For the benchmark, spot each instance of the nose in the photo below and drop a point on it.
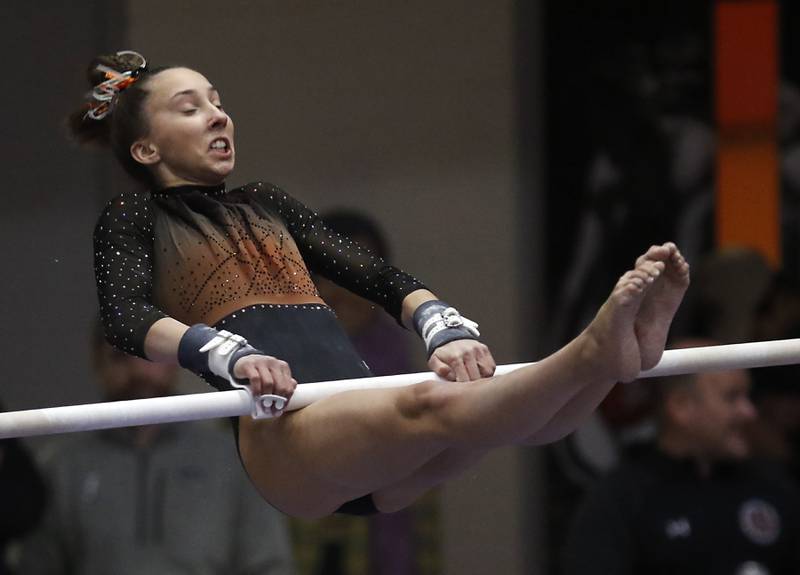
(747, 410)
(219, 119)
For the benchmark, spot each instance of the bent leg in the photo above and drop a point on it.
(309, 462)
(387, 441)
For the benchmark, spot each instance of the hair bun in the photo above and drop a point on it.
(108, 75)
(119, 62)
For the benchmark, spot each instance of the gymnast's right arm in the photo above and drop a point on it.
(123, 256)
(123, 267)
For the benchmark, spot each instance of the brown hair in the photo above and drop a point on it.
(126, 122)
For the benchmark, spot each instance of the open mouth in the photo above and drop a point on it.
(220, 145)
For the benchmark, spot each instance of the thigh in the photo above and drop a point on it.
(309, 462)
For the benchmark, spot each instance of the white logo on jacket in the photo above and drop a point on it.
(759, 521)
(680, 527)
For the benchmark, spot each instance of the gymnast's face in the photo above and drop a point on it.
(190, 137)
(720, 411)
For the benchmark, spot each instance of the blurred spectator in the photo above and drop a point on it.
(789, 141)
(155, 499)
(776, 390)
(22, 495)
(339, 544)
(649, 177)
(695, 501)
(383, 344)
(778, 314)
(776, 434)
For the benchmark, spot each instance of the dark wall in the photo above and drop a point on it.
(51, 200)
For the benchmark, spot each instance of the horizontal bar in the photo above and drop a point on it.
(238, 402)
(726, 357)
(129, 413)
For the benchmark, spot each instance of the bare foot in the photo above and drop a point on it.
(612, 343)
(660, 302)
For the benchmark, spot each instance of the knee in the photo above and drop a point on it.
(419, 400)
(431, 402)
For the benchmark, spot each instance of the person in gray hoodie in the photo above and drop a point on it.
(164, 499)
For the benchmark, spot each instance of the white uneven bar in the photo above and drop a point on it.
(88, 417)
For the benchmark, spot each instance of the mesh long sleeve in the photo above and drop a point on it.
(123, 263)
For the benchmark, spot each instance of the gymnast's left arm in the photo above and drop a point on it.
(454, 351)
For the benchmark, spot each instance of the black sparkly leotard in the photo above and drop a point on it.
(238, 260)
(204, 254)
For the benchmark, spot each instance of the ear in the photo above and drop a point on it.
(145, 152)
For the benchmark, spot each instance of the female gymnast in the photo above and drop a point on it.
(189, 254)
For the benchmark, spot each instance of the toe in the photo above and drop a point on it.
(653, 269)
(654, 253)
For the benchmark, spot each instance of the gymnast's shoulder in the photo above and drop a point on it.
(127, 206)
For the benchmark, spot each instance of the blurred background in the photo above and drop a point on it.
(517, 155)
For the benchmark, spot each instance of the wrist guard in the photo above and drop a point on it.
(438, 324)
(204, 350)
